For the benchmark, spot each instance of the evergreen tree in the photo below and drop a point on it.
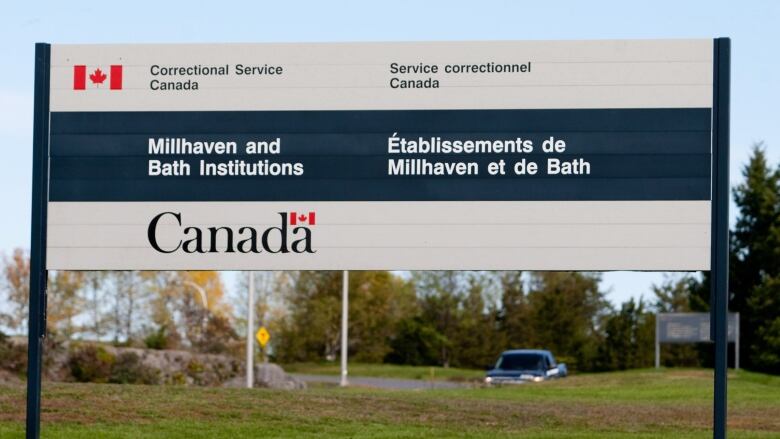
(415, 342)
(629, 335)
(673, 294)
(440, 294)
(478, 340)
(755, 262)
(764, 307)
(514, 314)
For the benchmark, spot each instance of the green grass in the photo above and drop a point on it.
(636, 404)
(388, 371)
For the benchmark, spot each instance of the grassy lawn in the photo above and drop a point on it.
(388, 371)
(636, 404)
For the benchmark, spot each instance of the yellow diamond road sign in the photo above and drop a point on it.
(262, 336)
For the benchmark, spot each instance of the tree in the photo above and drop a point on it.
(64, 302)
(175, 309)
(378, 301)
(440, 294)
(311, 330)
(457, 321)
(94, 301)
(764, 306)
(755, 261)
(220, 337)
(194, 314)
(415, 342)
(629, 337)
(164, 288)
(756, 235)
(514, 314)
(673, 294)
(126, 296)
(478, 338)
(16, 286)
(566, 309)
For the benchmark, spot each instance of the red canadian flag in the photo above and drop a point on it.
(302, 218)
(97, 77)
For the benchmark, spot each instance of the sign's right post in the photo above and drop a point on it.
(719, 264)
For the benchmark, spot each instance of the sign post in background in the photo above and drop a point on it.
(691, 328)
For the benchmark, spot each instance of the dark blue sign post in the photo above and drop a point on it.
(719, 265)
(38, 273)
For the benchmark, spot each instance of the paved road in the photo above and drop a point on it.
(383, 383)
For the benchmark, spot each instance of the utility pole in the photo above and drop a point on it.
(344, 325)
(250, 336)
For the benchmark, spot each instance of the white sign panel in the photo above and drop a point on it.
(586, 155)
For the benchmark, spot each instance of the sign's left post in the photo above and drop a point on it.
(38, 274)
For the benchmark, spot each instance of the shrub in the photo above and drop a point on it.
(158, 339)
(13, 357)
(195, 367)
(178, 378)
(129, 369)
(220, 337)
(196, 370)
(416, 343)
(90, 364)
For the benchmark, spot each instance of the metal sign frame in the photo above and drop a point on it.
(719, 235)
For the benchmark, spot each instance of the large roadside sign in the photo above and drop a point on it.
(587, 155)
(532, 155)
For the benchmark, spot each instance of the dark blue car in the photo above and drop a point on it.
(523, 365)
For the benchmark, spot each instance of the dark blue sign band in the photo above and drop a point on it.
(633, 154)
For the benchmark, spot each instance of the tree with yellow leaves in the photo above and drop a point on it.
(16, 287)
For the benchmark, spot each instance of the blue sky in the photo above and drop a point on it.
(753, 26)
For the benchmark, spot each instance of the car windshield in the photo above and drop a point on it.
(526, 361)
